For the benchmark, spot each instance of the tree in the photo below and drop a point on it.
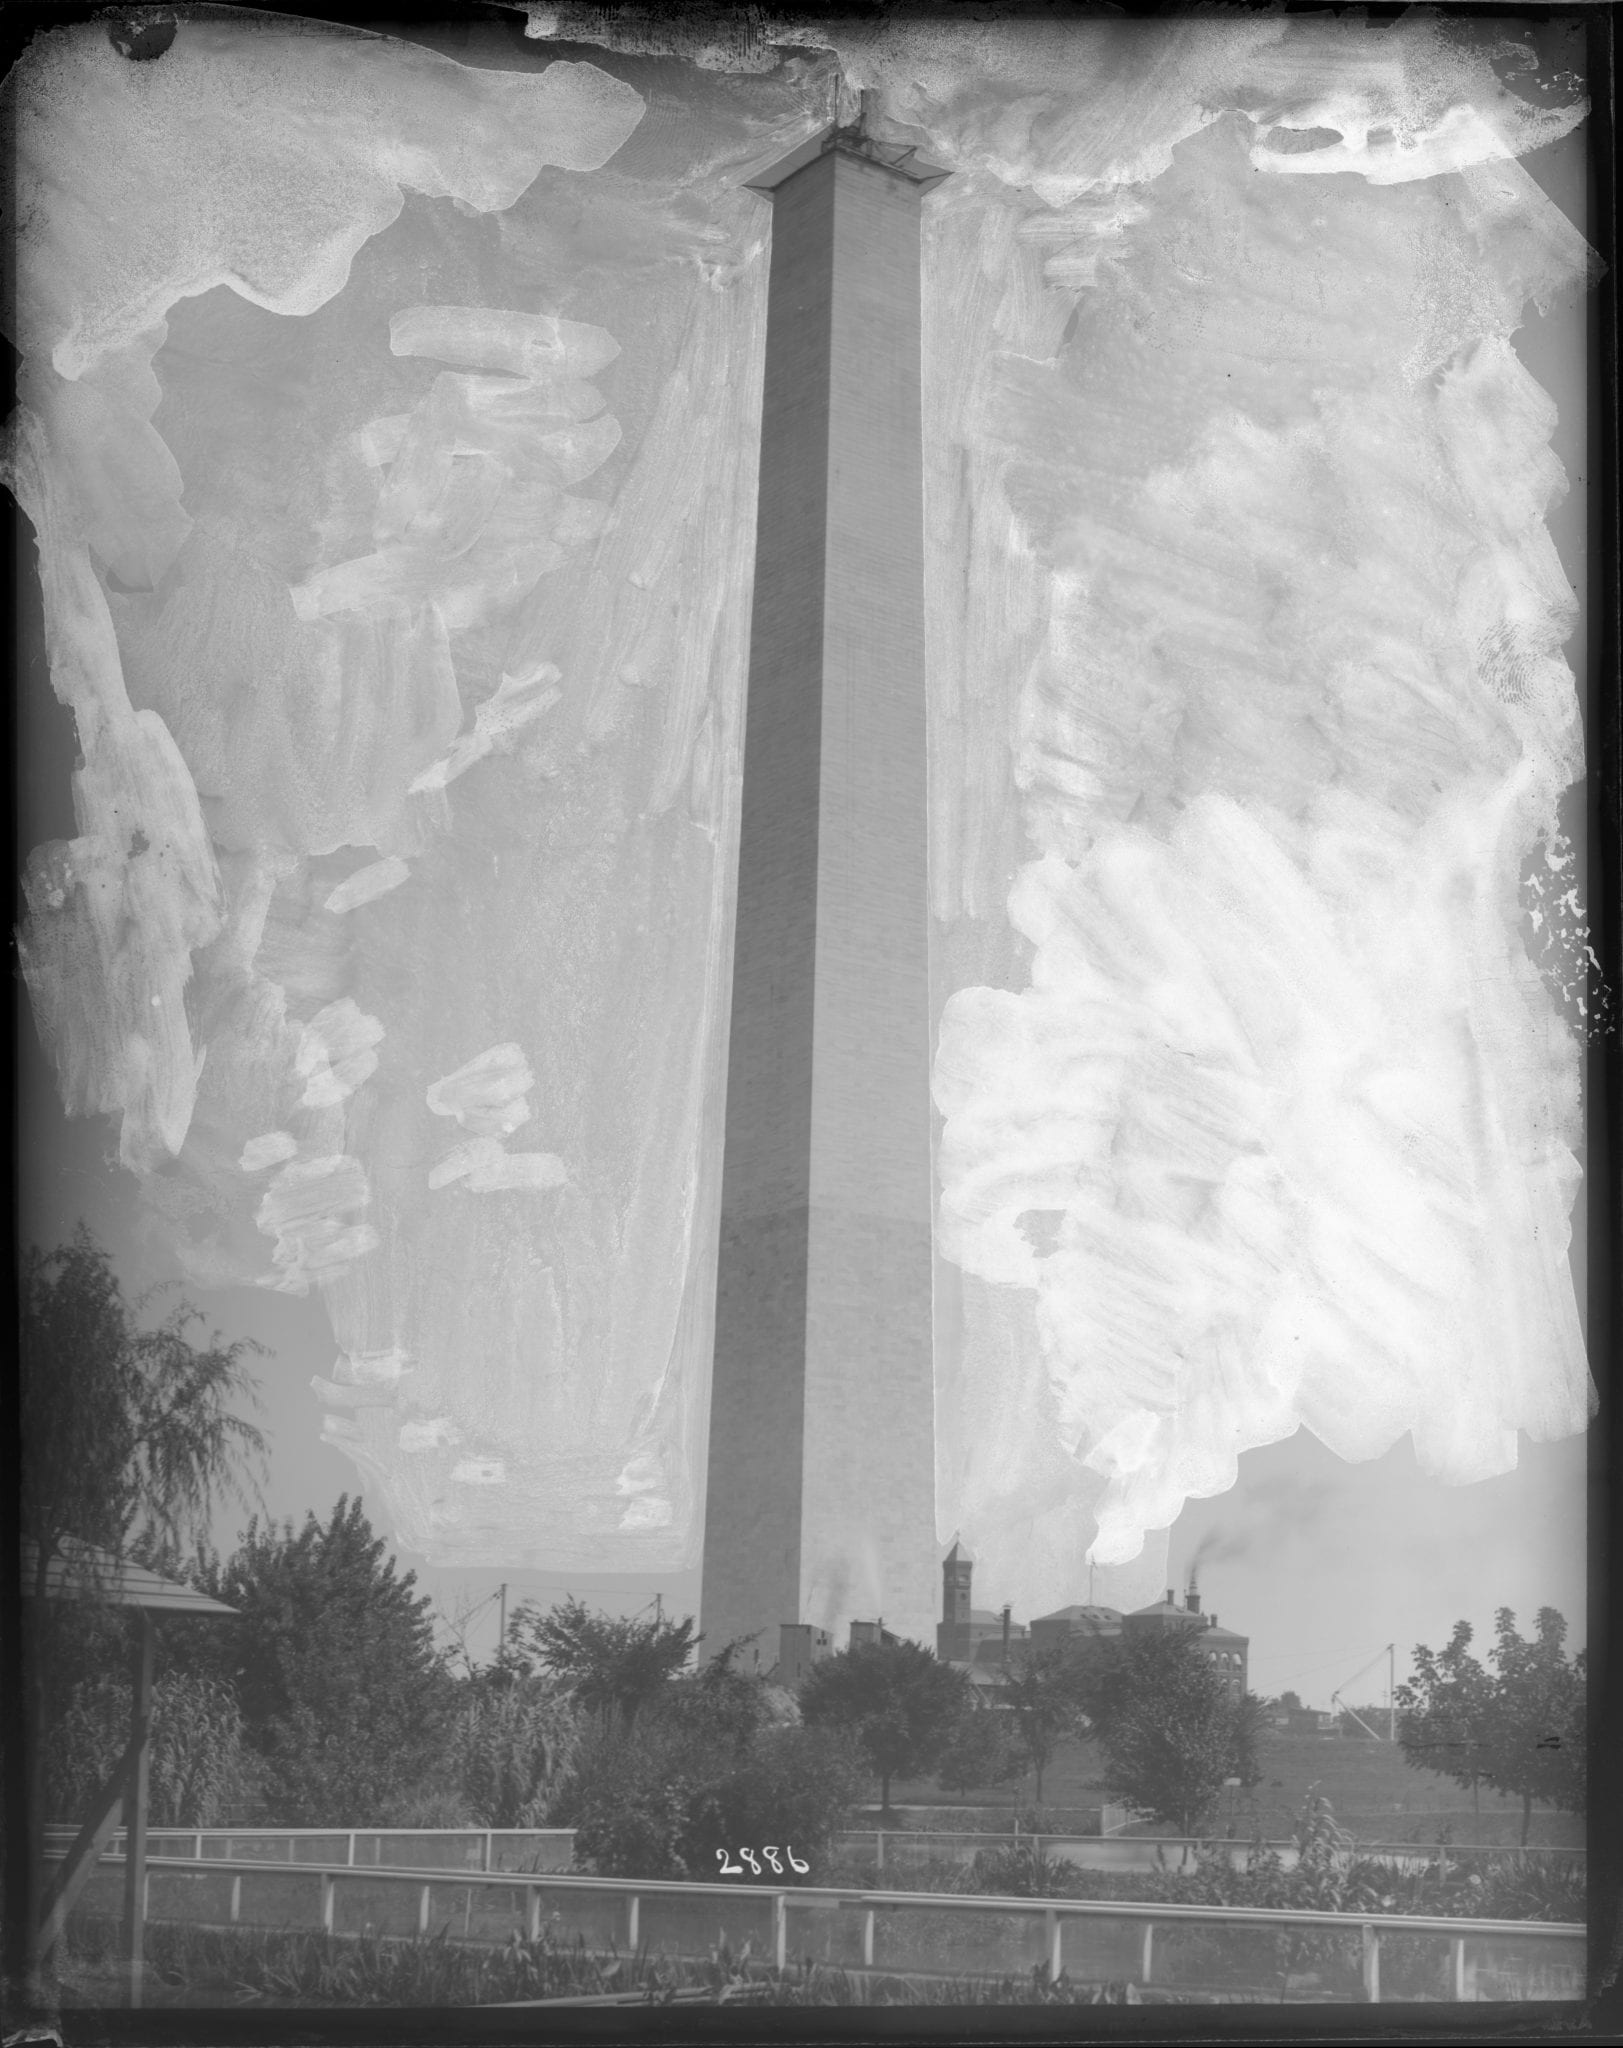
(895, 1698)
(126, 1431)
(981, 1750)
(334, 1664)
(1540, 1727)
(128, 1436)
(1521, 1728)
(1443, 1711)
(1042, 1694)
(1170, 1729)
(613, 1667)
(721, 1700)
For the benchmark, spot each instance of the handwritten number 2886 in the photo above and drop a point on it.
(769, 1851)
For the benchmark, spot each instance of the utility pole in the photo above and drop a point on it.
(501, 1637)
(1391, 1692)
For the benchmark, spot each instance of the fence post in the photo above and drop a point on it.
(352, 1848)
(1372, 1963)
(236, 1898)
(532, 1901)
(1055, 1928)
(780, 1929)
(1457, 1958)
(867, 1939)
(200, 1845)
(485, 1866)
(879, 1838)
(1146, 1959)
(422, 1910)
(327, 1890)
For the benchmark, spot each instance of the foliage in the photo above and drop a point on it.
(509, 1742)
(286, 1964)
(979, 1751)
(1521, 1727)
(1023, 1871)
(1044, 1697)
(899, 1703)
(125, 1430)
(794, 1787)
(1170, 1730)
(660, 1799)
(333, 1661)
(1333, 1875)
(1443, 1709)
(613, 1666)
(203, 1773)
(275, 1966)
(720, 1699)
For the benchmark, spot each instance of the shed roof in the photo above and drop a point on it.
(85, 1572)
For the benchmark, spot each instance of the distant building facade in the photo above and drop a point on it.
(1225, 1651)
(979, 1640)
(800, 1646)
(870, 1633)
(1068, 1625)
(967, 1635)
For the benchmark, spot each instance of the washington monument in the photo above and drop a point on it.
(821, 1498)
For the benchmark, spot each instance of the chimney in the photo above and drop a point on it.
(1191, 1600)
(1172, 1598)
(1007, 1614)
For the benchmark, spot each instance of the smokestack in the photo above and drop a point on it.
(1192, 1599)
(1007, 1615)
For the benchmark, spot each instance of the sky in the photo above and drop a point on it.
(443, 891)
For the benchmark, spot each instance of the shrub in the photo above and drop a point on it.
(509, 1745)
(794, 1787)
(661, 1799)
(1022, 1873)
(203, 1773)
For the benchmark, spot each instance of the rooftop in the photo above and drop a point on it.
(85, 1573)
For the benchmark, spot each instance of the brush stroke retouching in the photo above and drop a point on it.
(388, 430)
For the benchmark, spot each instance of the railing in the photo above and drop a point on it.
(483, 1849)
(1175, 1949)
(546, 1849)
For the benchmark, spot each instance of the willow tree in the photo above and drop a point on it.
(129, 1434)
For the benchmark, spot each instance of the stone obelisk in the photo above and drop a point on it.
(821, 1495)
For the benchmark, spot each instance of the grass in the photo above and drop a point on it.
(1475, 1887)
(1376, 1795)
